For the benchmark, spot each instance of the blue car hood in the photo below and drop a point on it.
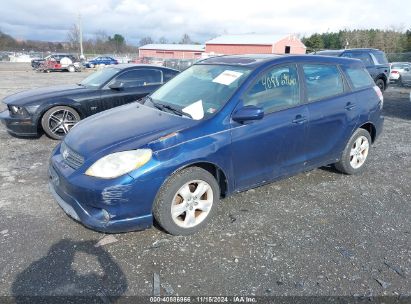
(30, 96)
(127, 127)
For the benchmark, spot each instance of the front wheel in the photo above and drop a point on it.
(355, 153)
(71, 69)
(186, 202)
(58, 121)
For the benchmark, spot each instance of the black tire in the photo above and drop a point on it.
(169, 190)
(399, 82)
(47, 121)
(344, 165)
(381, 84)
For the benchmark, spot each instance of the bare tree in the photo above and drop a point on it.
(185, 39)
(162, 40)
(73, 37)
(146, 40)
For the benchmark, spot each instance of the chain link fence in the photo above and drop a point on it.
(399, 57)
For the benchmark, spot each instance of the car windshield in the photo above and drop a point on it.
(201, 90)
(99, 78)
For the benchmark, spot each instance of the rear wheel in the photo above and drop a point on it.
(381, 84)
(187, 201)
(355, 153)
(58, 121)
(399, 82)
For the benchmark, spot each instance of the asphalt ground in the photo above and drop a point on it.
(319, 233)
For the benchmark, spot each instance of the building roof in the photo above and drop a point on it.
(174, 47)
(248, 39)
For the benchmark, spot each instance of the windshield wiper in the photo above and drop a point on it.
(172, 109)
(163, 107)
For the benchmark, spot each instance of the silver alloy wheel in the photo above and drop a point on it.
(71, 69)
(359, 152)
(61, 121)
(192, 203)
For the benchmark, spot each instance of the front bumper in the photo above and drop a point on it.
(107, 205)
(19, 126)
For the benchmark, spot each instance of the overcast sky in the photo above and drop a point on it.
(202, 20)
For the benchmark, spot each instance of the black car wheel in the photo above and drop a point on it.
(355, 153)
(399, 82)
(187, 201)
(58, 121)
(381, 84)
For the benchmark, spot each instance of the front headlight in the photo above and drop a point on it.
(16, 110)
(120, 163)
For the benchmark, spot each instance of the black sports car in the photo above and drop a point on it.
(55, 110)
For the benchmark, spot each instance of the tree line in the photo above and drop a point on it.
(98, 43)
(389, 40)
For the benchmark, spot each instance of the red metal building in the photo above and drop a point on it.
(171, 51)
(254, 44)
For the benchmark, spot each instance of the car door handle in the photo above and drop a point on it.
(349, 106)
(299, 119)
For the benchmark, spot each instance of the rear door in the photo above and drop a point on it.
(137, 83)
(333, 112)
(273, 146)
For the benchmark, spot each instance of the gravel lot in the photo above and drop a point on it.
(317, 233)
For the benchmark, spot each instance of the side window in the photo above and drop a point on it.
(140, 77)
(168, 74)
(359, 77)
(277, 89)
(364, 57)
(322, 81)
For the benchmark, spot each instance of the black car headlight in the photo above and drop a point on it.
(16, 110)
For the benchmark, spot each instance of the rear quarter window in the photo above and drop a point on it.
(381, 58)
(359, 77)
(168, 74)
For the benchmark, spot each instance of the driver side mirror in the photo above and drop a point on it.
(248, 113)
(117, 85)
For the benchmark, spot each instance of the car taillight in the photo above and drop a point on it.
(380, 96)
(394, 72)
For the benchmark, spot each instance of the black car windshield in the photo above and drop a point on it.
(201, 90)
(99, 78)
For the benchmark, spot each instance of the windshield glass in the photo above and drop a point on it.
(99, 78)
(201, 90)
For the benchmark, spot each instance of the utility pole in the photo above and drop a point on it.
(80, 36)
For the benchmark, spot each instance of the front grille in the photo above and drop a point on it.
(72, 159)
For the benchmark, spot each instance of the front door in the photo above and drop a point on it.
(273, 146)
(136, 84)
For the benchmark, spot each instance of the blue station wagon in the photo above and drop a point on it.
(224, 125)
